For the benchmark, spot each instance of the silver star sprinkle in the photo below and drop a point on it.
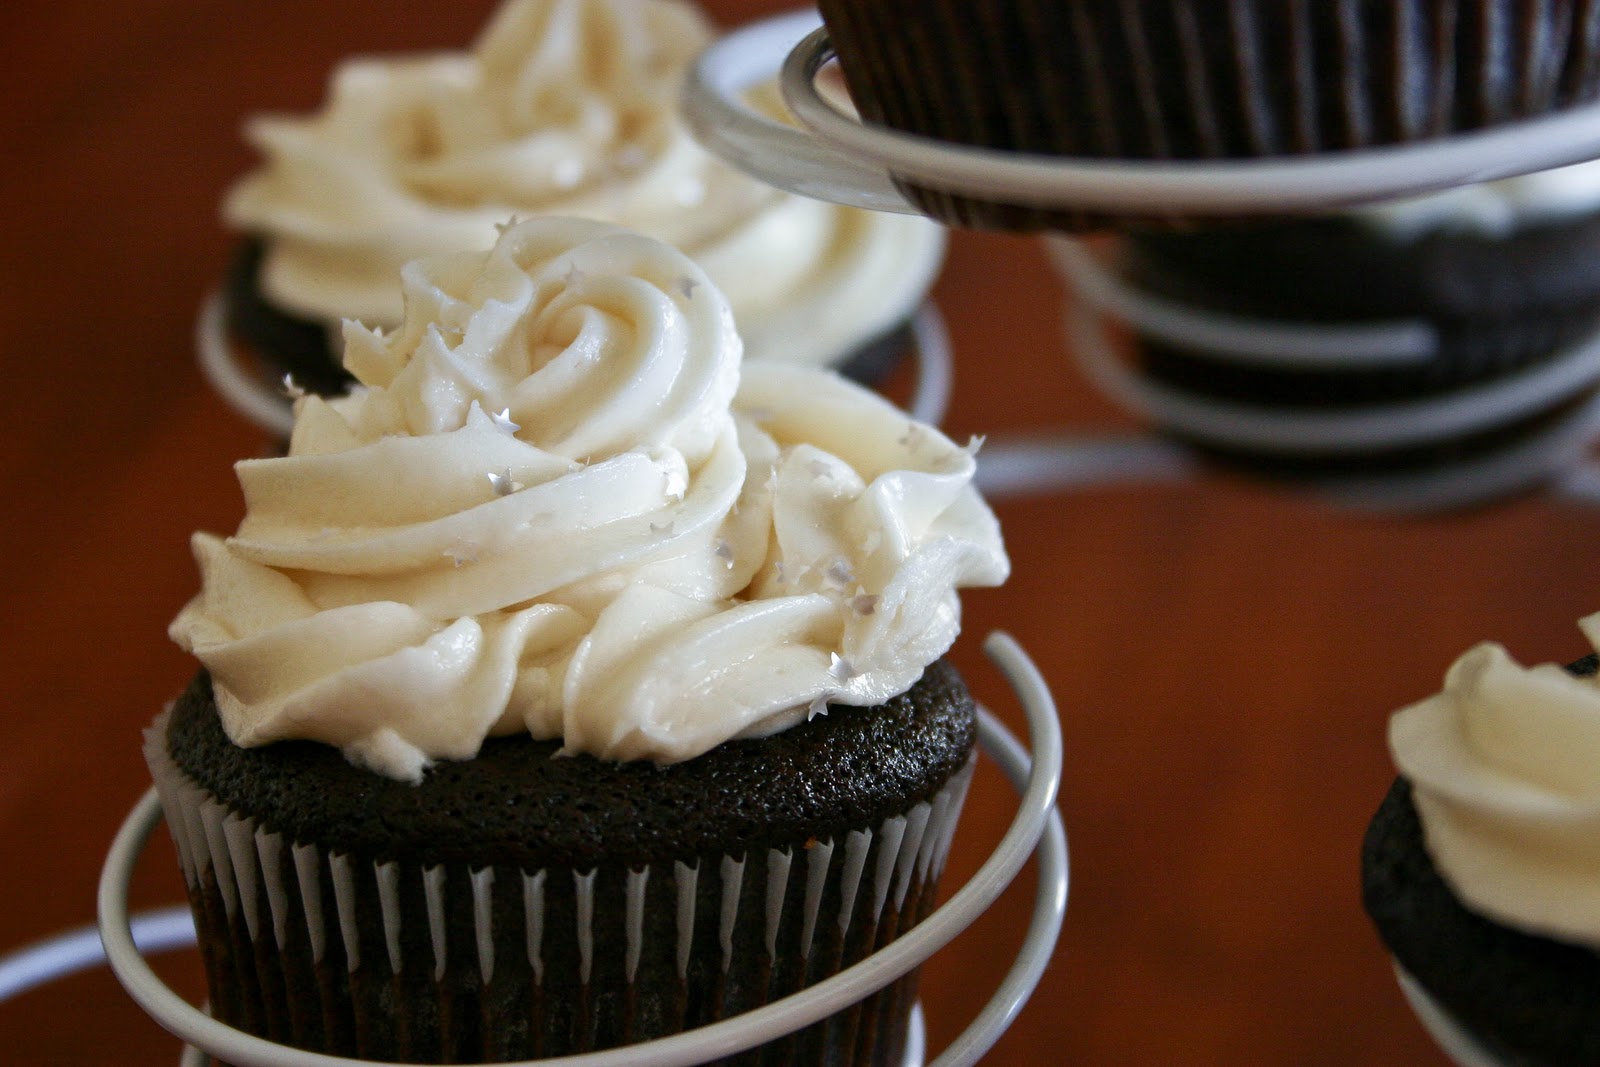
(291, 388)
(501, 227)
(687, 286)
(788, 572)
(974, 443)
(462, 551)
(840, 669)
(839, 573)
(818, 706)
(865, 604)
(502, 483)
(677, 484)
(503, 421)
(662, 527)
(913, 436)
(724, 552)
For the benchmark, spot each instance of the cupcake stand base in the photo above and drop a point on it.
(840, 159)
(1037, 829)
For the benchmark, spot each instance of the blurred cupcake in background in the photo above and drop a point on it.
(563, 107)
(1452, 331)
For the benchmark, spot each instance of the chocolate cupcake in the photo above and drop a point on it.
(558, 520)
(518, 905)
(1405, 339)
(1479, 868)
(560, 109)
(1200, 79)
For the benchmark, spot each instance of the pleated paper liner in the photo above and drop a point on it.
(449, 963)
(1201, 79)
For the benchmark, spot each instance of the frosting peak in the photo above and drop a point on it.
(1505, 767)
(552, 505)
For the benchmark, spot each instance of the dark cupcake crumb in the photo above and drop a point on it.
(519, 804)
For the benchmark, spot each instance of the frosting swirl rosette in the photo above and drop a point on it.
(552, 506)
(565, 107)
(1505, 768)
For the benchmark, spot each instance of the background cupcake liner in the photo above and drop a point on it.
(1202, 78)
(448, 963)
(1224, 351)
(1448, 448)
(1491, 304)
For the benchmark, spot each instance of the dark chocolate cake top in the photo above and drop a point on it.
(519, 803)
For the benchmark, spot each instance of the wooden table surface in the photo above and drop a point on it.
(1225, 654)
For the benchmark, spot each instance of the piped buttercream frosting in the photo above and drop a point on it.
(564, 107)
(1505, 769)
(554, 505)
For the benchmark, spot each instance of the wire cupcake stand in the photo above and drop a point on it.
(838, 158)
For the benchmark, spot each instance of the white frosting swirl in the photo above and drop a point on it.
(565, 107)
(545, 510)
(1493, 209)
(1505, 765)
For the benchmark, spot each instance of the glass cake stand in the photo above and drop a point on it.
(838, 158)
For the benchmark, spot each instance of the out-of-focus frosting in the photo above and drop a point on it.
(1505, 765)
(1494, 209)
(565, 107)
(546, 509)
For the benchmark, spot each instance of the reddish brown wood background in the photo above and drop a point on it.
(1225, 655)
